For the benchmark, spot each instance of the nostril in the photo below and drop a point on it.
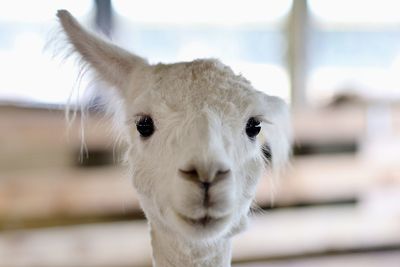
(191, 174)
(222, 175)
(227, 171)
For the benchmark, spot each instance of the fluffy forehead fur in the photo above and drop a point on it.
(198, 82)
(197, 85)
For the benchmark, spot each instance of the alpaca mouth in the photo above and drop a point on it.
(205, 221)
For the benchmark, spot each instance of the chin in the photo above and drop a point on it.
(205, 228)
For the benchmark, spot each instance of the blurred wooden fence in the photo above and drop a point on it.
(55, 213)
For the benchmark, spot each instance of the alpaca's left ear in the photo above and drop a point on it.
(277, 131)
(112, 64)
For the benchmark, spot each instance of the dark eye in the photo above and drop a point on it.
(253, 127)
(145, 126)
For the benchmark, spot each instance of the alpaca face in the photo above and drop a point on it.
(195, 149)
(194, 132)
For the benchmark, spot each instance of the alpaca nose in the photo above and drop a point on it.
(205, 175)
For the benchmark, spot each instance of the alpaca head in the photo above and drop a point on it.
(194, 131)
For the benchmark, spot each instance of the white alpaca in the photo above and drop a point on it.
(194, 132)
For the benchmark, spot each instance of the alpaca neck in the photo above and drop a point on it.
(169, 250)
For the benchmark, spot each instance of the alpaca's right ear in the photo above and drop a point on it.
(113, 64)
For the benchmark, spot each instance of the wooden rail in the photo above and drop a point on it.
(279, 234)
(76, 195)
(40, 186)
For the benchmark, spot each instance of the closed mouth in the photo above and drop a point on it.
(202, 222)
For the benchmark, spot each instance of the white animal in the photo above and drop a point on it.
(195, 132)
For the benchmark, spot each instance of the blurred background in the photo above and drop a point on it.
(337, 63)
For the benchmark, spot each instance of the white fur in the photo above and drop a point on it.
(200, 110)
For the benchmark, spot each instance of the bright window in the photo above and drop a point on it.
(247, 35)
(28, 73)
(354, 49)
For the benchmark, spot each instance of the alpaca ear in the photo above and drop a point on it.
(278, 131)
(113, 64)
